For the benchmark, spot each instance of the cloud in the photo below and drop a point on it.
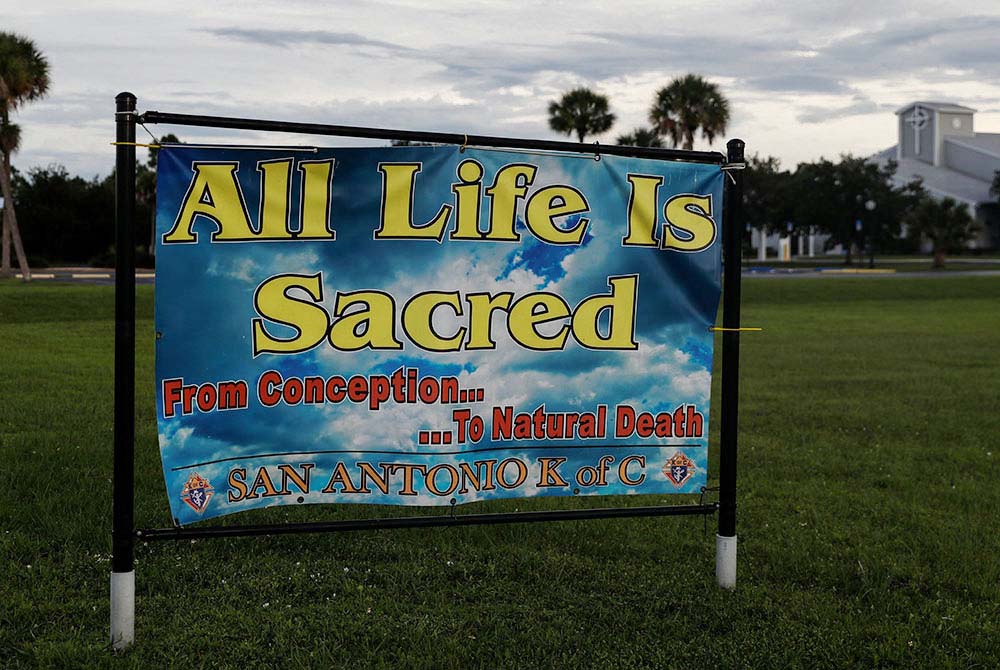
(798, 83)
(860, 105)
(292, 38)
(787, 69)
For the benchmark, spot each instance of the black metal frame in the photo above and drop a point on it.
(124, 532)
(122, 553)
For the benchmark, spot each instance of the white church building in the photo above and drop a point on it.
(937, 142)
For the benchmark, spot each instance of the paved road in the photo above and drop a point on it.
(802, 273)
(104, 276)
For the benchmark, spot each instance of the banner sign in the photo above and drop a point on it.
(430, 326)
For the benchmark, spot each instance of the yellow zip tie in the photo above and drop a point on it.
(137, 144)
(716, 329)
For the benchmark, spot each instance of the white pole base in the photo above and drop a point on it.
(725, 561)
(122, 609)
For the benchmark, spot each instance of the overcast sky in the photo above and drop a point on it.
(804, 80)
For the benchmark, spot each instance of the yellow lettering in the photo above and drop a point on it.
(275, 189)
(642, 210)
(418, 315)
(481, 308)
(510, 184)
(620, 306)
(372, 327)
(468, 194)
(314, 207)
(273, 302)
(398, 182)
(535, 309)
(554, 201)
(215, 194)
(689, 224)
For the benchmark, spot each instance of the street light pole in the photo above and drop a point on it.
(870, 206)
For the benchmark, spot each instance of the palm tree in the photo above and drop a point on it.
(581, 111)
(641, 137)
(24, 76)
(687, 104)
(946, 223)
(10, 141)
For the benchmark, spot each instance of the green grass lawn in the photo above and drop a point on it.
(869, 518)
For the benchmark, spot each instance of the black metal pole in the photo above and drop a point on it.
(424, 136)
(732, 249)
(123, 485)
(124, 431)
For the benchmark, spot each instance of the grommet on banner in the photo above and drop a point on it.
(597, 153)
(465, 143)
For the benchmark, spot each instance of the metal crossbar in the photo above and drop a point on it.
(435, 521)
(460, 139)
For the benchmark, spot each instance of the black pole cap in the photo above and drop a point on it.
(734, 148)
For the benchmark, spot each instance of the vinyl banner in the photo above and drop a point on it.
(430, 326)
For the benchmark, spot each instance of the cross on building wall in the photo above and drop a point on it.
(918, 121)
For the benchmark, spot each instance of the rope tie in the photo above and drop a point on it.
(729, 167)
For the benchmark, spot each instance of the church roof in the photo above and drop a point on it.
(987, 143)
(936, 106)
(939, 181)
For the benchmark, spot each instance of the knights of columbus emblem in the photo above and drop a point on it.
(679, 469)
(197, 492)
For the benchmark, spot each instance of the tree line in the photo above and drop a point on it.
(69, 219)
(857, 203)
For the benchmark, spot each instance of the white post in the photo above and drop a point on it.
(762, 246)
(802, 243)
(122, 609)
(725, 561)
(784, 248)
(812, 245)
